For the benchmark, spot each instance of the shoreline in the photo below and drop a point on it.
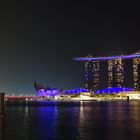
(62, 103)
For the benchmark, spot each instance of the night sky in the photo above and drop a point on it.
(38, 40)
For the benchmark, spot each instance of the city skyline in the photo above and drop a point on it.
(39, 39)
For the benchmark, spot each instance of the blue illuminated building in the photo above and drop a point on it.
(55, 91)
(75, 91)
(114, 90)
(48, 91)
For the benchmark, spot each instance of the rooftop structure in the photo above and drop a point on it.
(90, 58)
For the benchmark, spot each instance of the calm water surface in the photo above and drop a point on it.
(87, 121)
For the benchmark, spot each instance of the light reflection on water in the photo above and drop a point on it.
(87, 121)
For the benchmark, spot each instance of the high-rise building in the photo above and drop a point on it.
(136, 63)
(119, 72)
(115, 71)
(110, 73)
(89, 75)
(96, 75)
(92, 75)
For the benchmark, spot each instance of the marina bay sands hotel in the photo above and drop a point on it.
(115, 70)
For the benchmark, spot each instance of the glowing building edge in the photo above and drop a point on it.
(107, 58)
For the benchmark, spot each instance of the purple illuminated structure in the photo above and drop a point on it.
(49, 92)
(45, 91)
(115, 70)
(137, 55)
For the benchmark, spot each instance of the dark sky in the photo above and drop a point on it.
(38, 40)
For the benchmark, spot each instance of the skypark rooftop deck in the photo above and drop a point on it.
(137, 55)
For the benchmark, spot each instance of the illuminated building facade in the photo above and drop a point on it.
(88, 74)
(113, 90)
(136, 62)
(92, 75)
(110, 73)
(115, 71)
(119, 76)
(96, 72)
(115, 74)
